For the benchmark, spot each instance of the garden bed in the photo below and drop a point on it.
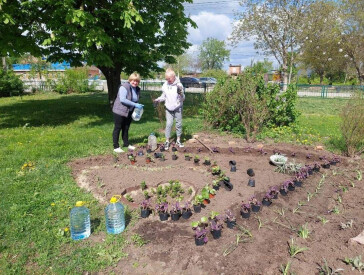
(327, 200)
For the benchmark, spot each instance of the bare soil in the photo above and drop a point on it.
(171, 248)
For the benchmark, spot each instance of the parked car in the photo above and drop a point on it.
(190, 82)
(208, 80)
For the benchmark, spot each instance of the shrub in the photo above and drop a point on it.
(74, 80)
(352, 125)
(245, 104)
(10, 84)
(218, 74)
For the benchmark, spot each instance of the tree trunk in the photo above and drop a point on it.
(4, 63)
(321, 79)
(112, 76)
(360, 75)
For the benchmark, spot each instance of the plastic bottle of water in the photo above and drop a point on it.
(114, 215)
(137, 114)
(80, 222)
(152, 142)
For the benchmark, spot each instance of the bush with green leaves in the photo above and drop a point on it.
(10, 84)
(243, 105)
(74, 80)
(352, 125)
(218, 74)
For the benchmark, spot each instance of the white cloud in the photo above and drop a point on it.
(209, 25)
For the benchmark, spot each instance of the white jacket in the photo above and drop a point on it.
(172, 99)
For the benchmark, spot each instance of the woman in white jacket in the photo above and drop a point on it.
(173, 96)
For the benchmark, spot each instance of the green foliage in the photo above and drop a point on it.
(212, 54)
(10, 84)
(74, 80)
(243, 105)
(352, 126)
(261, 67)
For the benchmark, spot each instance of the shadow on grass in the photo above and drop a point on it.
(67, 109)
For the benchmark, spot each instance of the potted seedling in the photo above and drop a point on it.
(215, 224)
(290, 184)
(148, 158)
(216, 184)
(197, 203)
(200, 230)
(309, 169)
(299, 177)
(186, 210)
(132, 159)
(187, 157)
(273, 192)
(215, 170)
(162, 157)
(334, 160)
(207, 161)
(283, 190)
(174, 148)
(230, 219)
(175, 211)
(174, 156)
(205, 193)
(162, 209)
(212, 193)
(143, 185)
(255, 204)
(326, 162)
(145, 208)
(196, 159)
(245, 210)
(267, 199)
(316, 167)
(140, 152)
(146, 194)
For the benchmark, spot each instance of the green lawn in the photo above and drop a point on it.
(40, 134)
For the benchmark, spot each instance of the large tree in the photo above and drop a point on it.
(212, 54)
(353, 34)
(275, 27)
(115, 36)
(321, 49)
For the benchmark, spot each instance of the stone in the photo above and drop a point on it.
(358, 239)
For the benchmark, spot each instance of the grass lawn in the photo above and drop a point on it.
(40, 134)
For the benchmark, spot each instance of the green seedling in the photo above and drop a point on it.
(355, 262)
(348, 224)
(303, 231)
(295, 249)
(143, 185)
(281, 211)
(359, 175)
(309, 196)
(285, 268)
(336, 210)
(352, 184)
(344, 189)
(146, 194)
(100, 183)
(129, 198)
(242, 237)
(325, 269)
(339, 199)
(323, 220)
(138, 240)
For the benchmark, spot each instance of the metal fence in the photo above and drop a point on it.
(303, 90)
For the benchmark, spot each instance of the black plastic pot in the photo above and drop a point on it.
(175, 216)
(233, 168)
(266, 203)
(316, 169)
(199, 242)
(245, 215)
(230, 224)
(255, 208)
(163, 216)
(232, 162)
(144, 213)
(251, 182)
(188, 158)
(333, 162)
(174, 157)
(149, 151)
(157, 155)
(186, 214)
(174, 149)
(162, 149)
(196, 161)
(283, 192)
(197, 208)
(275, 196)
(228, 186)
(140, 153)
(216, 233)
(216, 187)
(310, 171)
(291, 187)
(298, 183)
(207, 162)
(326, 166)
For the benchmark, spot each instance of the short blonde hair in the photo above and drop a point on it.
(134, 76)
(170, 72)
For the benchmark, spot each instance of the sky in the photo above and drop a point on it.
(215, 19)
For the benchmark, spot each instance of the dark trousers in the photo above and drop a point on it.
(121, 124)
